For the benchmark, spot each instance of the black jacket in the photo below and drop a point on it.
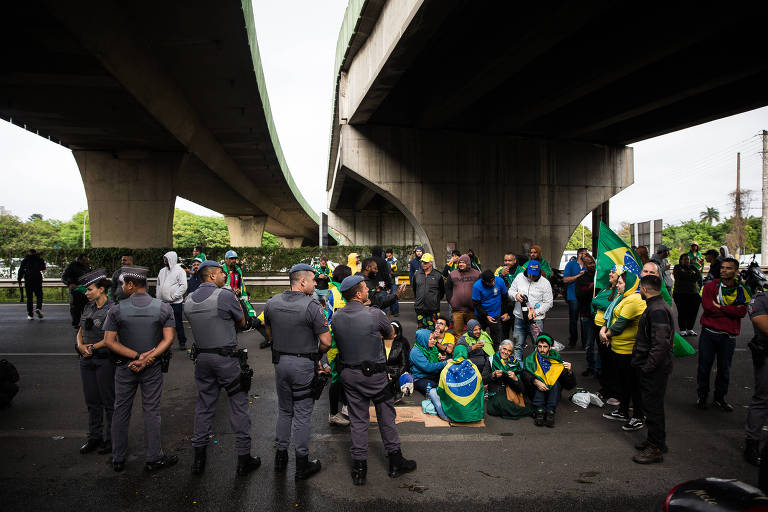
(73, 272)
(585, 292)
(378, 299)
(655, 332)
(398, 361)
(30, 268)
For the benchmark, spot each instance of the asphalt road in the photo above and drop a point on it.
(584, 463)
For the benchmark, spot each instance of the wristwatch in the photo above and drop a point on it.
(91, 347)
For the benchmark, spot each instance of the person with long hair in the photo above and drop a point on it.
(686, 294)
(96, 368)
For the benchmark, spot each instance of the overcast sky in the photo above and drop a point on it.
(676, 175)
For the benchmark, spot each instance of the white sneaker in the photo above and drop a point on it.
(30, 317)
(337, 419)
(693, 333)
(683, 333)
(612, 401)
(39, 313)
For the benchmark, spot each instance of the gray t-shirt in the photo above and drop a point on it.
(227, 303)
(139, 300)
(759, 306)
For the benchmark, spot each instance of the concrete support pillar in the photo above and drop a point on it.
(245, 231)
(290, 242)
(131, 197)
(599, 214)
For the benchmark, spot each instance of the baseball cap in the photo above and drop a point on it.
(427, 258)
(230, 254)
(534, 268)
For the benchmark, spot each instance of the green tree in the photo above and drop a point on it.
(36, 216)
(710, 215)
(190, 229)
(575, 242)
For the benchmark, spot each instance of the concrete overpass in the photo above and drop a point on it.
(497, 125)
(156, 100)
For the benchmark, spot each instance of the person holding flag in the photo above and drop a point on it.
(546, 374)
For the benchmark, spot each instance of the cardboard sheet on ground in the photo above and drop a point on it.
(404, 414)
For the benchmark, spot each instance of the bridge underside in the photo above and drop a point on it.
(497, 128)
(171, 92)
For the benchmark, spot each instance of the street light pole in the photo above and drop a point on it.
(84, 218)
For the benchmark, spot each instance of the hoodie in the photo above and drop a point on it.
(171, 281)
(458, 287)
(421, 367)
(415, 264)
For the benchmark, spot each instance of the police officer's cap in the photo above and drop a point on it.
(301, 266)
(350, 282)
(208, 263)
(93, 276)
(133, 271)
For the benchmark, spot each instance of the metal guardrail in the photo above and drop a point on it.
(152, 281)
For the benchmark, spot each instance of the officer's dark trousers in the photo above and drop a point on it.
(37, 288)
(360, 390)
(758, 407)
(180, 335)
(98, 377)
(294, 416)
(212, 373)
(77, 302)
(126, 383)
(653, 387)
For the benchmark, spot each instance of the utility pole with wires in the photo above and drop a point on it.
(736, 236)
(764, 231)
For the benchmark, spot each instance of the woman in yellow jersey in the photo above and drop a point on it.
(621, 320)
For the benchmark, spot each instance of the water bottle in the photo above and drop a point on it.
(429, 388)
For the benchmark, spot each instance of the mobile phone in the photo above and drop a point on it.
(381, 284)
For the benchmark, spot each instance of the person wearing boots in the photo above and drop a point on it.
(213, 312)
(358, 330)
(546, 374)
(758, 406)
(295, 322)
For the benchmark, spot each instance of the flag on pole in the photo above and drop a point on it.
(612, 250)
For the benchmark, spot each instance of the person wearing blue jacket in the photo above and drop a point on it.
(426, 361)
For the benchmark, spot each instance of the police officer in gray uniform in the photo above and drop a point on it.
(295, 323)
(213, 312)
(145, 327)
(358, 330)
(96, 368)
(757, 414)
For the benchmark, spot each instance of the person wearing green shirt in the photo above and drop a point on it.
(697, 259)
(535, 254)
(197, 252)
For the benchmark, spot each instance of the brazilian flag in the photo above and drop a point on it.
(461, 392)
(612, 250)
(546, 369)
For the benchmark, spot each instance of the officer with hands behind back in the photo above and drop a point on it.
(295, 323)
(146, 329)
(213, 311)
(358, 331)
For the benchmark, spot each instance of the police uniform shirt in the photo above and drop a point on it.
(139, 300)
(314, 317)
(759, 306)
(99, 316)
(227, 303)
(380, 324)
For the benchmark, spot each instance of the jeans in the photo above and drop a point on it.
(395, 307)
(547, 400)
(589, 335)
(711, 346)
(573, 323)
(177, 308)
(438, 404)
(521, 333)
(420, 385)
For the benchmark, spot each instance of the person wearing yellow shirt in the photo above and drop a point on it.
(444, 341)
(621, 321)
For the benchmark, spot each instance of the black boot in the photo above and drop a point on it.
(399, 465)
(305, 468)
(752, 452)
(281, 460)
(538, 418)
(198, 465)
(106, 448)
(246, 464)
(359, 471)
(550, 422)
(90, 445)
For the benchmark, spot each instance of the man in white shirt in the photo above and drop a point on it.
(171, 286)
(532, 294)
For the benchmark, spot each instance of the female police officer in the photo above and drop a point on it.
(96, 368)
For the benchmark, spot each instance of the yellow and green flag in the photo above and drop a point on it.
(611, 251)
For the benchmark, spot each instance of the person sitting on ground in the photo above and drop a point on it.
(425, 362)
(397, 351)
(444, 341)
(506, 390)
(546, 374)
(459, 396)
(534, 253)
(479, 346)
